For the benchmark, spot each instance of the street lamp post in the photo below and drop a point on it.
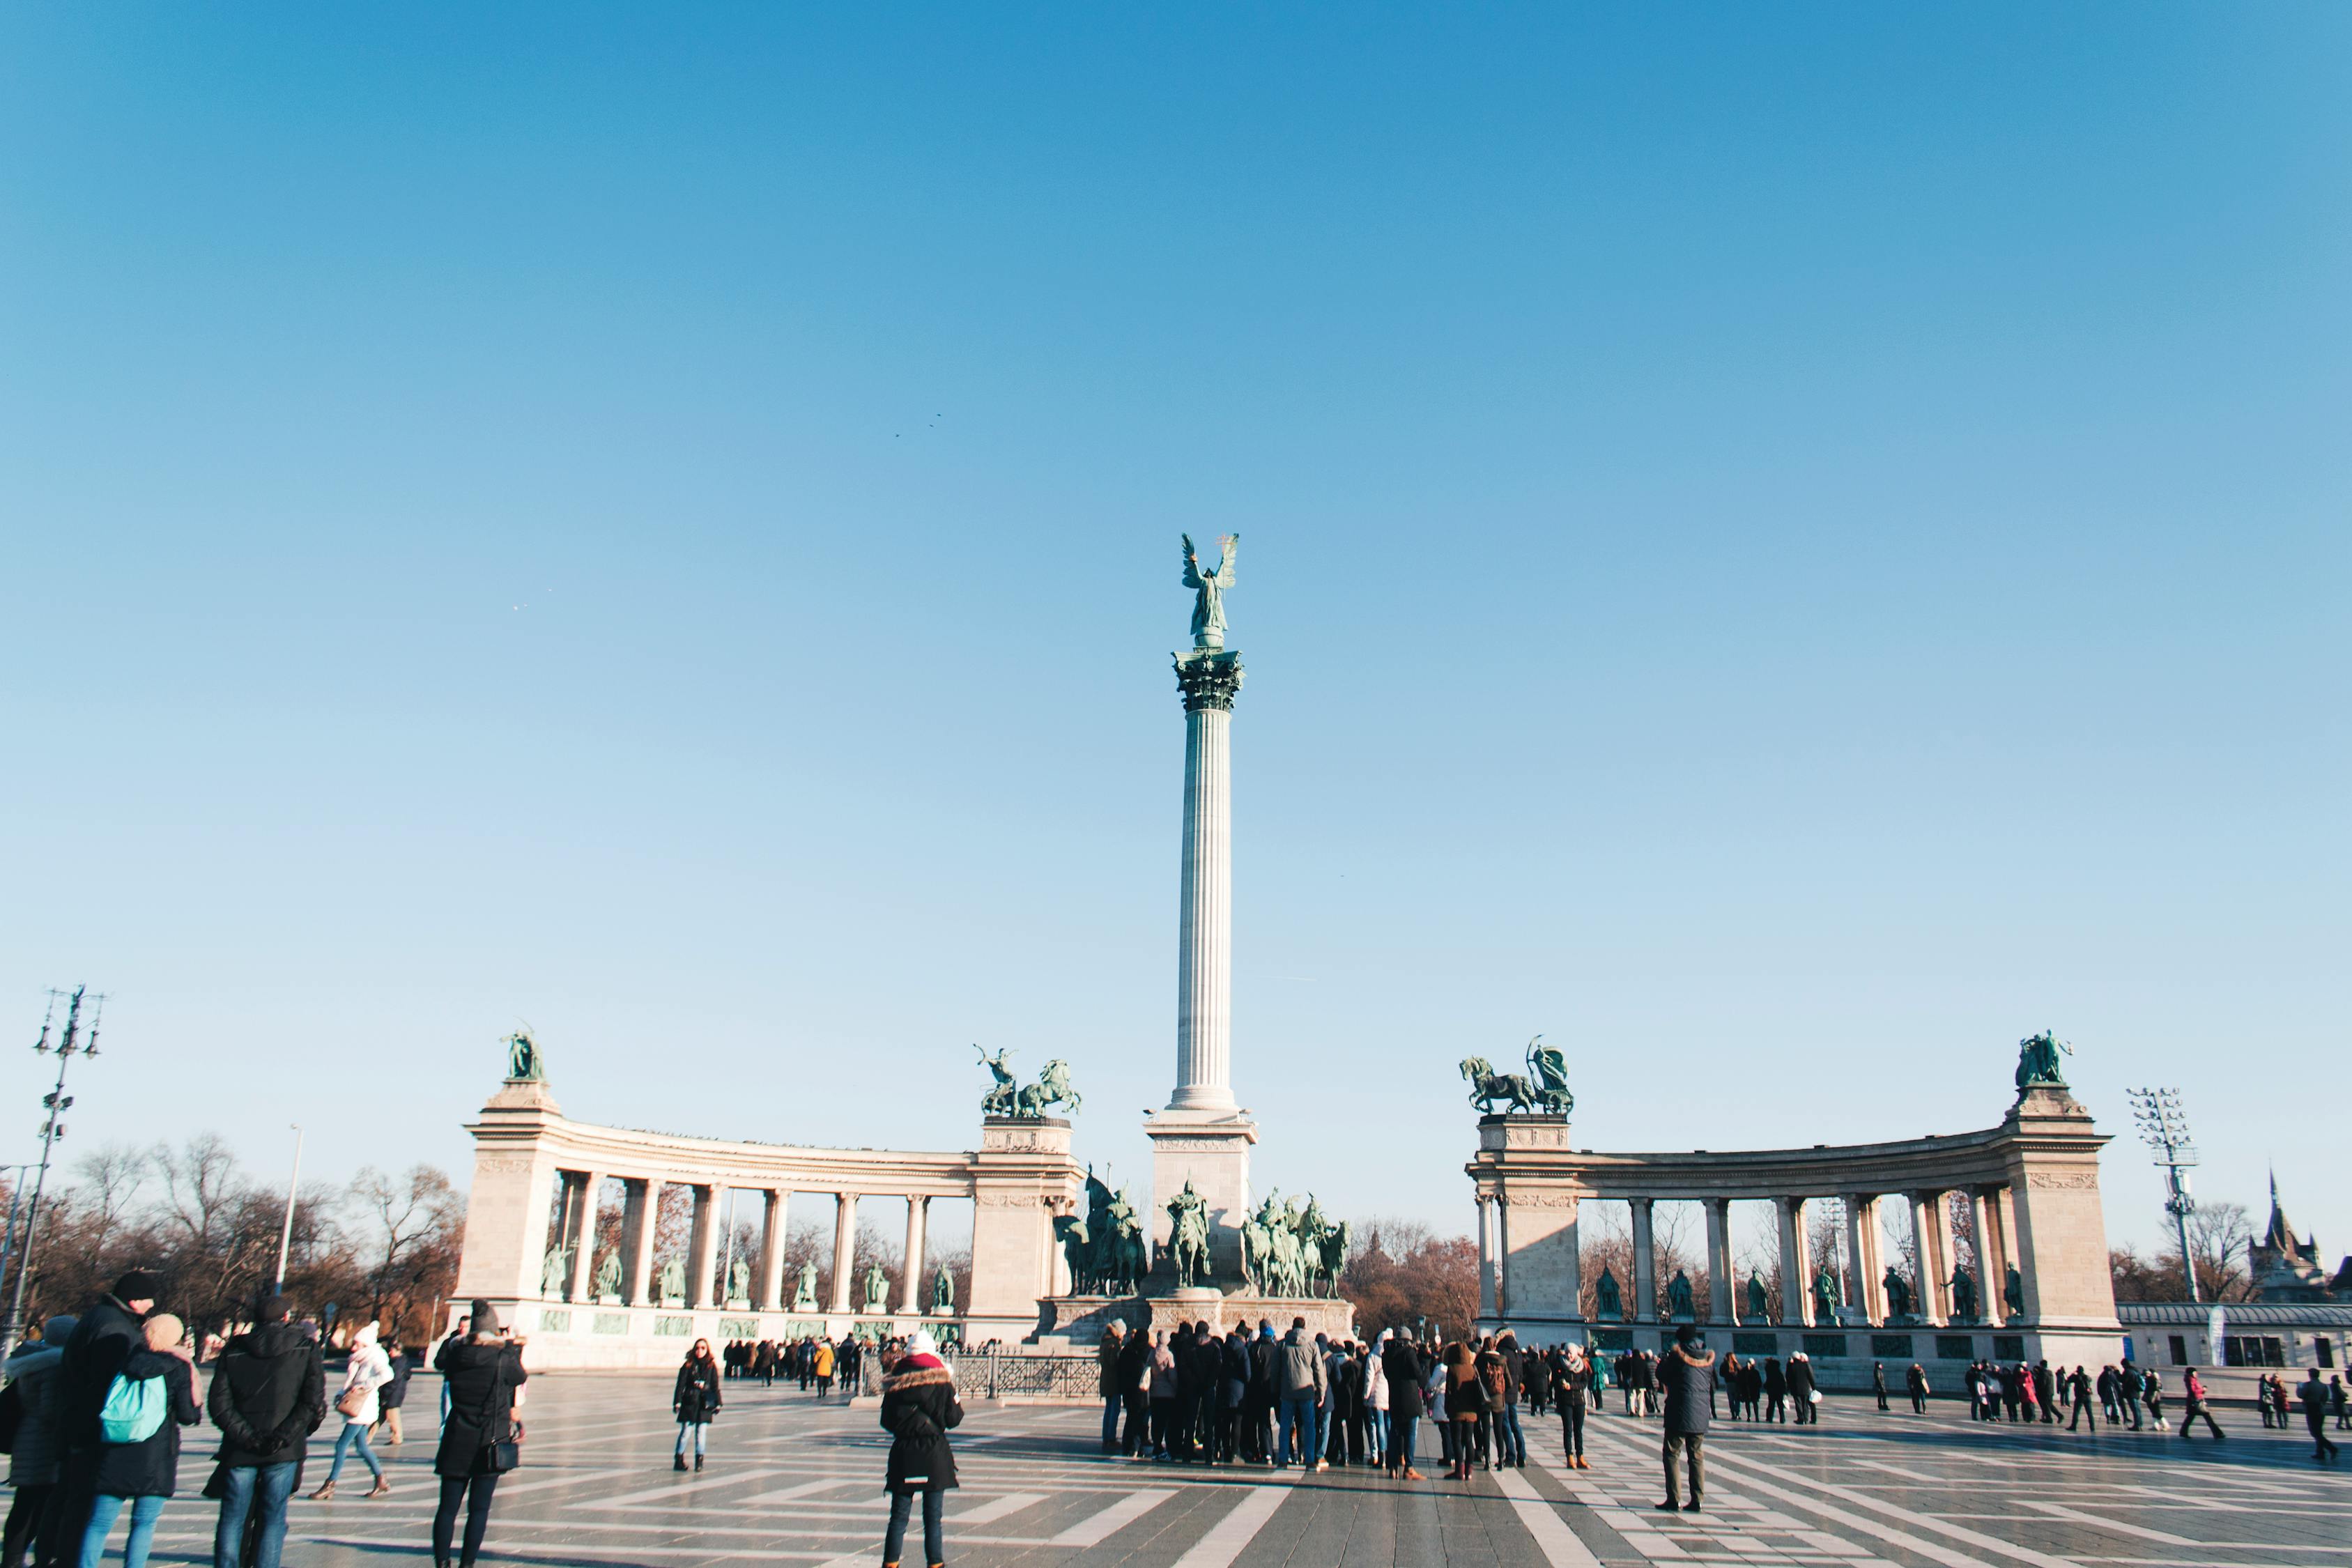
(55, 1104)
(2164, 1128)
(286, 1231)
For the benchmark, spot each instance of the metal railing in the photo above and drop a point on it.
(992, 1373)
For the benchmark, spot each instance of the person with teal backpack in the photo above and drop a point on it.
(139, 1423)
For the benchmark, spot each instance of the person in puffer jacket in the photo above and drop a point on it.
(33, 1463)
(919, 1409)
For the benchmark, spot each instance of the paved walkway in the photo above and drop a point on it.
(795, 1483)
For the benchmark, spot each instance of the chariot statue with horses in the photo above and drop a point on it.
(1542, 1089)
(1005, 1096)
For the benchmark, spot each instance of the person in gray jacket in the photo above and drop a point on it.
(33, 1463)
(1687, 1377)
(1301, 1383)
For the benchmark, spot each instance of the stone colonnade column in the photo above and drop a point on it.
(583, 1239)
(1931, 1232)
(1490, 1304)
(1861, 1257)
(702, 1250)
(775, 1210)
(845, 1248)
(1993, 1255)
(1720, 1296)
(910, 1288)
(1796, 1286)
(1209, 681)
(1645, 1263)
(640, 1209)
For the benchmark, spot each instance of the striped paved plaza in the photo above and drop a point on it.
(795, 1483)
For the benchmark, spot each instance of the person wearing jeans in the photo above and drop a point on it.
(1106, 1383)
(1301, 1381)
(144, 1471)
(252, 1496)
(1510, 1443)
(369, 1369)
(268, 1394)
(919, 1409)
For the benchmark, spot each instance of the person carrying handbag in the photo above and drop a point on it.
(369, 1369)
(481, 1440)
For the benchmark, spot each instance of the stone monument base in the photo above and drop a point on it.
(1076, 1322)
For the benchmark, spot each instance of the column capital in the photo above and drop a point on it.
(1209, 678)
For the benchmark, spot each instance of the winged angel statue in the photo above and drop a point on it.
(1209, 605)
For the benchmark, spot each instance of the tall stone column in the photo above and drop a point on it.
(702, 1289)
(1720, 1295)
(1204, 930)
(910, 1286)
(1930, 1232)
(1202, 1136)
(640, 1206)
(1796, 1269)
(1993, 1255)
(1861, 1257)
(775, 1208)
(845, 1248)
(1489, 1286)
(583, 1239)
(1645, 1263)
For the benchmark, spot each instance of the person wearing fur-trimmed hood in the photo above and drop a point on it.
(918, 1408)
(1686, 1376)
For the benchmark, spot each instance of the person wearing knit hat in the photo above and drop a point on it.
(918, 1408)
(481, 1439)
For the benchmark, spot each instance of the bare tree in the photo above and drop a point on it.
(406, 1216)
(108, 1180)
(201, 1185)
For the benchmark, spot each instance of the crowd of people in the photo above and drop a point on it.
(96, 1403)
(818, 1363)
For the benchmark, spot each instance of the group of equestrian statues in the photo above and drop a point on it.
(1287, 1252)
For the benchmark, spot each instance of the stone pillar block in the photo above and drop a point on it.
(1796, 1266)
(1211, 1151)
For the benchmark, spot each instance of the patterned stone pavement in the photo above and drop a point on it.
(795, 1483)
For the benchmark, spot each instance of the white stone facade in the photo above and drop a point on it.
(527, 1152)
(2033, 1181)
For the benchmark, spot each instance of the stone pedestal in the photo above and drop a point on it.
(1538, 1274)
(1023, 1177)
(1076, 1322)
(1211, 1151)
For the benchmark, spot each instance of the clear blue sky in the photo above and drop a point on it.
(1786, 548)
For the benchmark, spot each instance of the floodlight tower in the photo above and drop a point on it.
(54, 1106)
(2163, 1127)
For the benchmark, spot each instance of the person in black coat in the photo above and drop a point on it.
(144, 1473)
(1406, 1367)
(268, 1395)
(696, 1400)
(919, 1409)
(1800, 1390)
(1685, 1375)
(479, 1440)
(107, 1334)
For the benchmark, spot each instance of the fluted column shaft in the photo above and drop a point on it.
(1796, 1269)
(845, 1248)
(1204, 932)
(1645, 1263)
(911, 1287)
(1720, 1298)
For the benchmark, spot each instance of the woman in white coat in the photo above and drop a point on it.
(369, 1369)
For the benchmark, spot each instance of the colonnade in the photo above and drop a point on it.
(1929, 1214)
(2031, 1183)
(574, 1227)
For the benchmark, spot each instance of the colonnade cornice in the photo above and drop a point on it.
(631, 1155)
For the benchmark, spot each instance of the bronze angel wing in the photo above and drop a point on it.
(1192, 563)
